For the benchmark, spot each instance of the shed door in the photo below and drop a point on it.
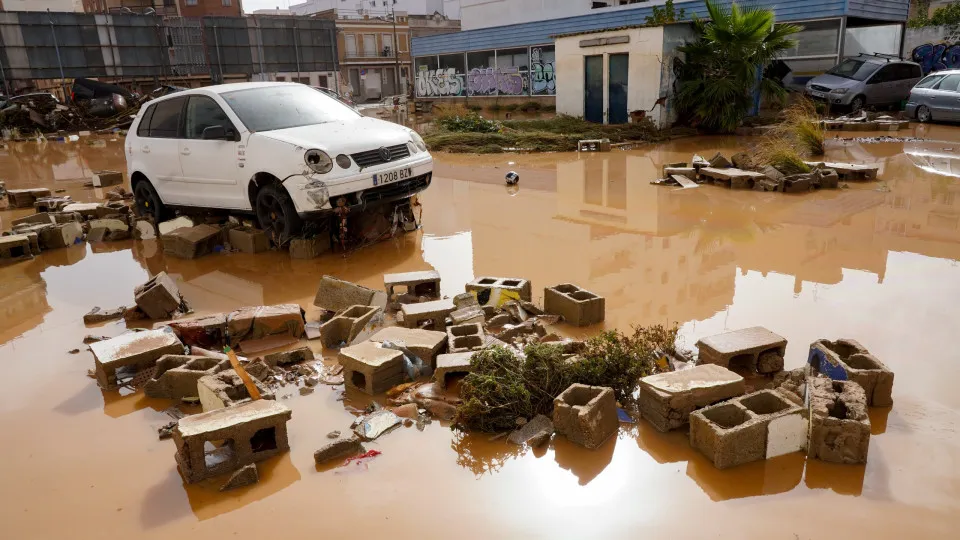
(593, 88)
(617, 86)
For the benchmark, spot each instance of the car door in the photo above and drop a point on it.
(159, 146)
(880, 86)
(945, 100)
(211, 167)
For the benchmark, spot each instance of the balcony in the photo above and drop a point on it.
(385, 53)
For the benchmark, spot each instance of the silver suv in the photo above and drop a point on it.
(867, 79)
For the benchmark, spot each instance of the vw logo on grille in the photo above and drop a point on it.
(384, 153)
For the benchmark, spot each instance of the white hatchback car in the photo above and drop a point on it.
(282, 151)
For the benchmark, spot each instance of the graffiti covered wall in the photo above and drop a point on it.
(538, 79)
(933, 47)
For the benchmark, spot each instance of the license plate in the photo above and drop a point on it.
(814, 93)
(392, 176)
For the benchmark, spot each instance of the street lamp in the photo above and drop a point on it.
(396, 49)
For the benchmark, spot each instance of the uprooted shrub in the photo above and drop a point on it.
(505, 386)
(470, 122)
(779, 152)
(801, 125)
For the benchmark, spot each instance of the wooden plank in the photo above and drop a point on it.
(684, 182)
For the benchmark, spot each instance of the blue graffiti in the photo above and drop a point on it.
(937, 56)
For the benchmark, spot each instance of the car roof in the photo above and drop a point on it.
(944, 72)
(224, 88)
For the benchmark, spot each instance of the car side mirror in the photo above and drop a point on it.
(214, 133)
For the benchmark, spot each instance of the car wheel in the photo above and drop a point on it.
(857, 103)
(277, 214)
(923, 114)
(147, 202)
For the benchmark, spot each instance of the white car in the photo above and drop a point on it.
(282, 151)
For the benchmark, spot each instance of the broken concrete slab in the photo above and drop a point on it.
(465, 337)
(667, 399)
(130, 353)
(375, 424)
(336, 295)
(750, 428)
(107, 178)
(733, 178)
(468, 314)
(254, 323)
(742, 348)
(797, 183)
(452, 363)
(426, 344)
(338, 449)
(144, 229)
(223, 440)
(421, 283)
(169, 226)
(370, 368)
(41, 218)
(191, 242)
(719, 162)
(248, 239)
(847, 171)
(97, 315)
(24, 198)
(846, 359)
(433, 313)
(207, 332)
(586, 415)
(295, 356)
(520, 287)
(346, 325)
(246, 476)
(826, 179)
(309, 248)
(577, 306)
(160, 297)
(536, 432)
(177, 375)
(839, 424)
(226, 389)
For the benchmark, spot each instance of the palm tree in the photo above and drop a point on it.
(720, 72)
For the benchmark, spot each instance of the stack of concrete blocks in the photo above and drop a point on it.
(465, 337)
(753, 427)
(586, 415)
(846, 359)
(667, 399)
(346, 325)
(370, 368)
(435, 312)
(177, 375)
(577, 306)
(422, 283)
(756, 349)
(246, 434)
(192, 242)
(336, 295)
(159, 297)
(131, 353)
(452, 363)
(225, 389)
(426, 344)
(24, 198)
(839, 425)
(15, 248)
(521, 287)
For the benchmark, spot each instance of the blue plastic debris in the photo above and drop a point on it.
(624, 417)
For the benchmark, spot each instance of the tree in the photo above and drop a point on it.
(717, 79)
(665, 15)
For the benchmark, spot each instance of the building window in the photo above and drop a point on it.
(191, 2)
(370, 45)
(225, 3)
(402, 39)
(350, 43)
(387, 41)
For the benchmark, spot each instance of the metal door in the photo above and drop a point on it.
(617, 88)
(593, 88)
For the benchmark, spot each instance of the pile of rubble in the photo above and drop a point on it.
(865, 121)
(740, 172)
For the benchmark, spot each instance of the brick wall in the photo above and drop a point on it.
(199, 8)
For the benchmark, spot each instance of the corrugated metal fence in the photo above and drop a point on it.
(38, 45)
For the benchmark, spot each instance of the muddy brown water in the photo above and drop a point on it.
(877, 262)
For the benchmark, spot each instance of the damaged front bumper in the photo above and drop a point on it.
(317, 194)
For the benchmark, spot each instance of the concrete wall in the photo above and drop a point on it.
(644, 75)
(933, 47)
(872, 39)
(205, 8)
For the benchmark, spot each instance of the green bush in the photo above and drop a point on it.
(470, 122)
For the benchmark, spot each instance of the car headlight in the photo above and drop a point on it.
(318, 161)
(418, 141)
(343, 161)
(839, 91)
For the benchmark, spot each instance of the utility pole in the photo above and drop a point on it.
(396, 50)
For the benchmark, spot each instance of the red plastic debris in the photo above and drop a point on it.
(367, 454)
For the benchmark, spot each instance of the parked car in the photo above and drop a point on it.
(936, 97)
(867, 79)
(282, 151)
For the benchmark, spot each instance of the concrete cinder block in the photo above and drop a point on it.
(192, 242)
(177, 375)
(24, 198)
(107, 178)
(226, 389)
(208, 332)
(465, 337)
(346, 325)
(743, 349)
(130, 353)
(577, 306)
(40, 218)
(847, 359)
(519, 286)
(422, 283)
(61, 235)
(14, 248)
(839, 424)
(426, 344)
(586, 415)
(159, 297)
(452, 363)
(370, 368)
(750, 428)
(667, 399)
(248, 239)
(435, 312)
(223, 440)
(252, 323)
(336, 295)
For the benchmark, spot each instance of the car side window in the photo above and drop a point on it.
(949, 83)
(143, 130)
(165, 122)
(930, 82)
(915, 72)
(203, 112)
(884, 74)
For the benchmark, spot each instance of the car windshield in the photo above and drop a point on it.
(850, 68)
(285, 106)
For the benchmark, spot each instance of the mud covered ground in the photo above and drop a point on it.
(877, 262)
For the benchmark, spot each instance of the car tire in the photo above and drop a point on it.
(923, 114)
(857, 103)
(276, 213)
(147, 202)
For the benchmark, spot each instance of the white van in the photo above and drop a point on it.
(283, 151)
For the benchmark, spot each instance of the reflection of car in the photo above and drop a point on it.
(866, 79)
(281, 150)
(936, 97)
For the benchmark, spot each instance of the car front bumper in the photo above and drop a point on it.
(315, 195)
(827, 97)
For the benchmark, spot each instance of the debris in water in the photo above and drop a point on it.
(365, 455)
(244, 477)
(512, 178)
(373, 425)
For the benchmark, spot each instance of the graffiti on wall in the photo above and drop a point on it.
(542, 79)
(937, 56)
(439, 82)
(493, 81)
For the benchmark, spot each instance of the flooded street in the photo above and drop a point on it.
(878, 262)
